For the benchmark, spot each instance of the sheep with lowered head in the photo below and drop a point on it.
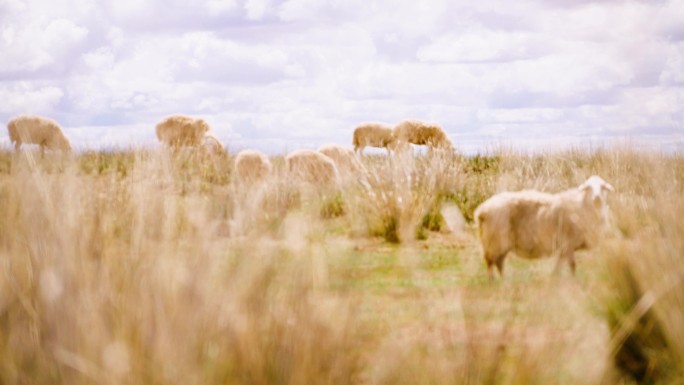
(534, 224)
(311, 167)
(421, 133)
(251, 166)
(37, 130)
(374, 135)
(345, 159)
(178, 131)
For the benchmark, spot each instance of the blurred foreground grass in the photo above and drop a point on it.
(141, 267)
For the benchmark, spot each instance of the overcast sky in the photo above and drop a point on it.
(280, 75)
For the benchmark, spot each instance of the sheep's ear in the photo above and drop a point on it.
(608, 187)
(584, 186)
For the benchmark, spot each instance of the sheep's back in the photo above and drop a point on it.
(344, 158)
(421, 133)
(406, 131)
(514, 220)
(376, 134)
(181, 130)
(251, 165)
(311, 166)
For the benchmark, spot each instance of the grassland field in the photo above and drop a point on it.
(144, 267)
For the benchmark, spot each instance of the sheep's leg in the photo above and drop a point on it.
(17, 146)
(572, 263)
(492, 261)
(500, 265)
(570, 258)
(490, 271)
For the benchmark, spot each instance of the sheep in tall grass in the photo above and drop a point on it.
(311, 167)
(535, 224)
(345, 158)
(178, 131)
(37, 130)
(421, 133)
(374, 135)
(251, 166)
(212, 145)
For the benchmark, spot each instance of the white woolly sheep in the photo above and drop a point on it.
(312, 167)
(251, 166)
(345, 159)
(212, 145)
(179, 130)
(421, 133)
(37, 130)
(535, 224)
(374, 135)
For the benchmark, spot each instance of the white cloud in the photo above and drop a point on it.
(655, 105)
(11, 6)
(100, 59)
(19, 52)
(36, 46)
(257, 9)
(123, 9)
(220, 7)
(201, 55)
(61, 34)
(80, 12)
(24, 98)
(406, 17)
(602, 21)
(299, 9)
(673, 72)
(117, 78)
(574, 68)
(670, 18)
(520, 115)
(481, 46)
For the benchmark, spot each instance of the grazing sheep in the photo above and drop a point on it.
(212, 145)
(374, 135)
(312, 167)
(251, 166)
(421, 133)
(37, 130)
(178, 131)
(534, 224)
(345, 159)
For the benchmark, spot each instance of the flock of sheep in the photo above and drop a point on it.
(530, 223)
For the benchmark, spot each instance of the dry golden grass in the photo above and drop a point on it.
(141, 267)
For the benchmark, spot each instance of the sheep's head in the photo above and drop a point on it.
(448, 144)
(66, 146)
(596, 190)
(60, 142)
